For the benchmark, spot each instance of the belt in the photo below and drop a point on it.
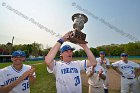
(127, 78)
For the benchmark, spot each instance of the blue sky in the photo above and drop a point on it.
(116, 22)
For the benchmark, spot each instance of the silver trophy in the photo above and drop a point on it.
(76, 36)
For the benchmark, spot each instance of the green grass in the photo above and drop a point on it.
(45, 82)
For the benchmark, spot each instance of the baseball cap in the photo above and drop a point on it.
(66, 47)
(18, 53)
(102, 52)
(123, 54)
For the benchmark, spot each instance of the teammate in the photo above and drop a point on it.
(67, 72)
(16, 77)
(126, 69)
(96, 79)
(104, 62)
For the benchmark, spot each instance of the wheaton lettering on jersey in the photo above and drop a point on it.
(123, 67)
(69, 70)
(12, 80)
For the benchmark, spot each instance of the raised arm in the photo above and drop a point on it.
(50, 56)
(49, 59)
(91, 59)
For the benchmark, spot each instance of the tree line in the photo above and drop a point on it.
(36, 49)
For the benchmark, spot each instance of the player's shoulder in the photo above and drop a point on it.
(58, 62)
(131, 62)
(118, 62)
(98, 58)
(5, 69)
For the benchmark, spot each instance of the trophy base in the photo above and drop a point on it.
(77, 41)
(77, 37)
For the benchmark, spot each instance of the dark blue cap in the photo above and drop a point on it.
(66, 47)
(18, 53)
(123, 54)
(102, 52)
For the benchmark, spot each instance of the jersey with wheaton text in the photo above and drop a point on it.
(95, 80)
(10, 74)
(68, 78)
(127, 69)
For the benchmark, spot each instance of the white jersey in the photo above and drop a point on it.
(127, 69)
(102, 64)
(68, 78)
(10, 74)
(95, 80)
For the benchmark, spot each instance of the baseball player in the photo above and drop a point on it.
(126, 69)
(104, 62)
(67, 72)
(96, 79)
(16, 77)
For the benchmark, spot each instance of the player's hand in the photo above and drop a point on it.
(32, 70)
(92, 71)
(104, 61)
(100, 72)
(25, 75)
(93, 67)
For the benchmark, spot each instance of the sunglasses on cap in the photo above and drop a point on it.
(102, 53)
(124, 56)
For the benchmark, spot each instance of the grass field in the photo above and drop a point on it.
(45, 82)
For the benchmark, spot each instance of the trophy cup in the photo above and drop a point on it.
(76, 36)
